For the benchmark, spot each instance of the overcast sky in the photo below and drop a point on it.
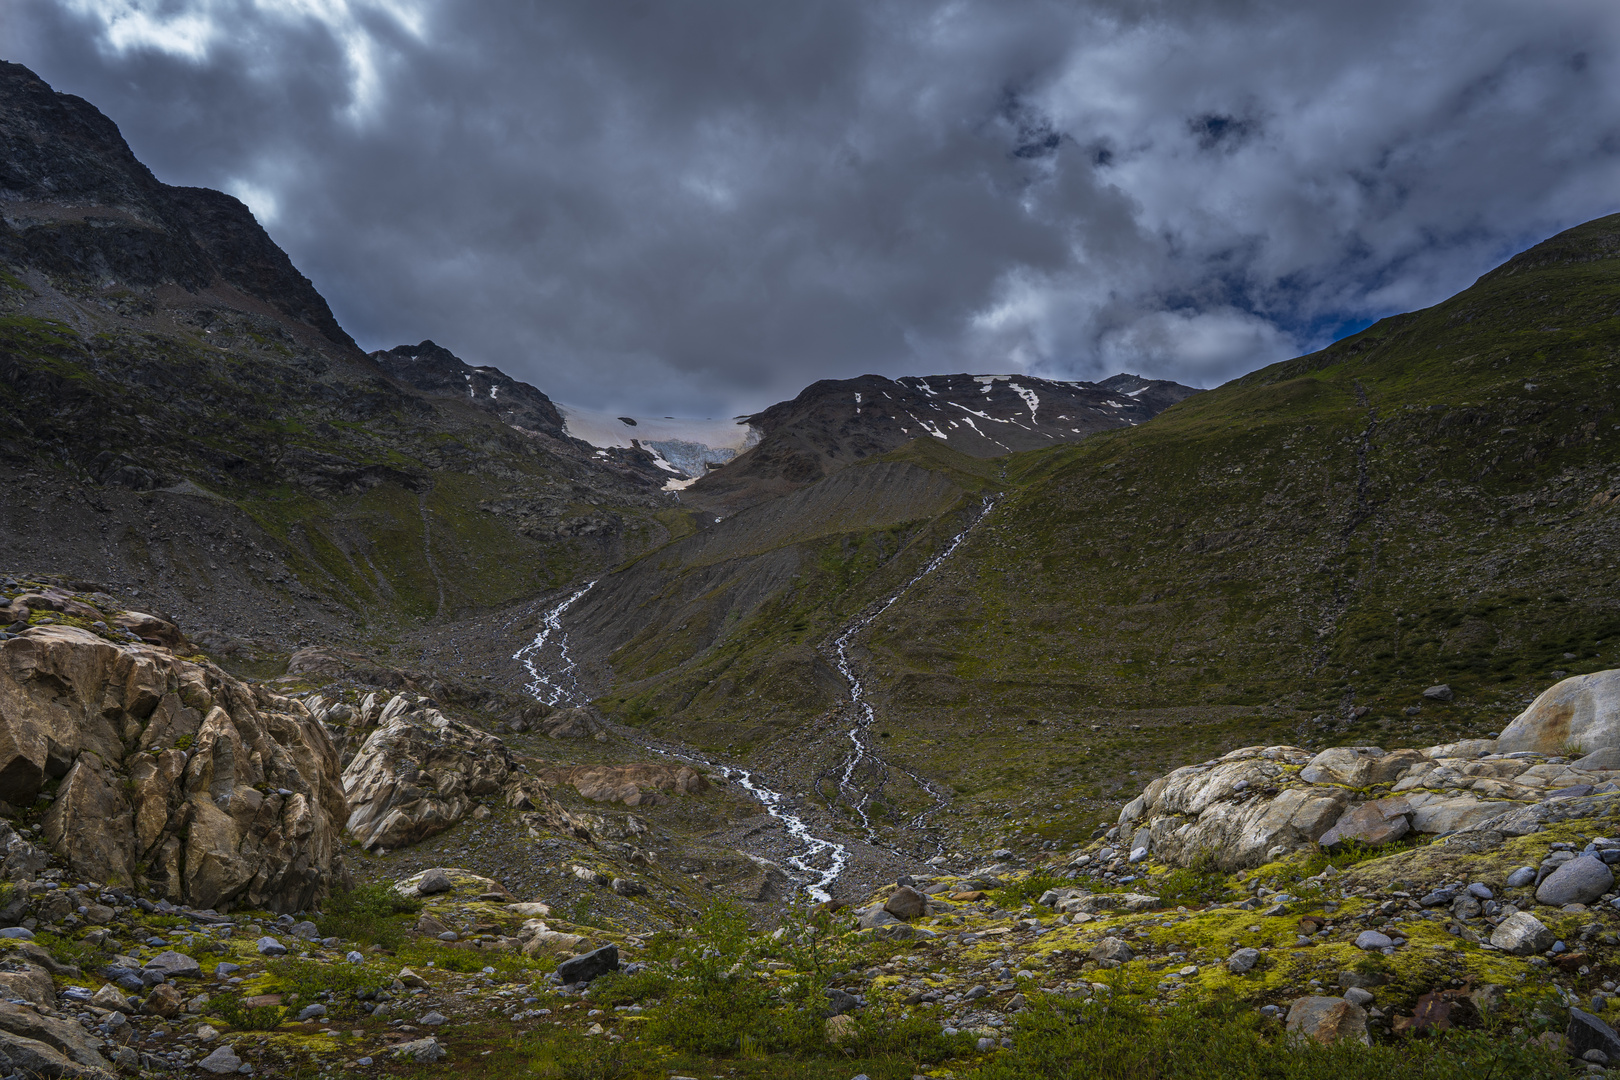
(697, 208)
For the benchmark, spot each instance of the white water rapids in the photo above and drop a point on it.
(560, 686)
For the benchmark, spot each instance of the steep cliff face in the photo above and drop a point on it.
(77, 203)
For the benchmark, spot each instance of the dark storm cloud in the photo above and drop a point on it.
(701, 207)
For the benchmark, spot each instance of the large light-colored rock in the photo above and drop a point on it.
(1579, 881)
(245, 809)
(1358, 766)
(1453, 815)
(1372, 823)
(635, 784)
(1243, 833)
(1582, 711)
(1522, 934)
(1327, 1020)
(417, 775)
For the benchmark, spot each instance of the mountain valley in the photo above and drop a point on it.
(915, 692)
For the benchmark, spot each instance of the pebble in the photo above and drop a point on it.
(1521, 877)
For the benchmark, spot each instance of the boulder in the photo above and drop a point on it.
(1358, 766)
(20, 1024)
(29, 983)
(841, 1029)
(1606, 759)
(150, 629)
(875, 916)
(906, 903)
(1579, 881)
(417, 775)
(1373, 823)
(426, 1051)
(111, 998)
(1522, 934)
(1439, 693)
(578, 723)
(1242, 961)
(1327, 1020)
(1587, 1032)
(162, 1000)
(221, 1061)
(433, 882)
(248, 813)
(1582, 711)
(591, 965)
(1112, 949)
(173, 965)
(638, 784)
(1454, 815)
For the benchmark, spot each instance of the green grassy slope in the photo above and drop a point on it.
(317, 477)
(1293, 556)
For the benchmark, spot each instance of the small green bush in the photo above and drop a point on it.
(229, 1008)
(368, 914)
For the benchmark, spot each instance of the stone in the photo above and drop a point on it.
(162, 1000)
(1439, 693)
(433, 882)
(19, 932)
(225, 969)
(628, 887)
(30, 983)
(418, 774)
(1327, 1020)
(1524, 875)
(173, 965)
(1372, 823)
(111, 998)
(306, 930)
(840, 1001)
(269, 946)
(841, 1029)
(1586, 1033)
(196, 817)
(1579, 881)
(433, 1019)
(533, 910)
(1372, 941)
(410, 978)
(1113, 949)
(223, 1060)
(1242, 961)
(875, 916)
(1358, 996)
(422, 1051)
(99, 914)
(1605, 759)
(1456, 814)
(311, 1011)
(1480, 891)
(591, 965)
(1358, 766)
(906, 903)
(1522, 934)
(1582, 711)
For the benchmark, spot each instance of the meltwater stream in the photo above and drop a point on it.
(864, 715)
(560, 686)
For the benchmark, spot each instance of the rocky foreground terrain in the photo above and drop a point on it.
(210, 876)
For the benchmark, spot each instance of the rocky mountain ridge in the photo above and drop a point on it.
(836, 422)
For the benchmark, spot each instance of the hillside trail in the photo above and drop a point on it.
(822, 856)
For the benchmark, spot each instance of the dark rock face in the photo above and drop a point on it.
(837, 422)
(591, 965)
(436, 370)
(80, 205)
